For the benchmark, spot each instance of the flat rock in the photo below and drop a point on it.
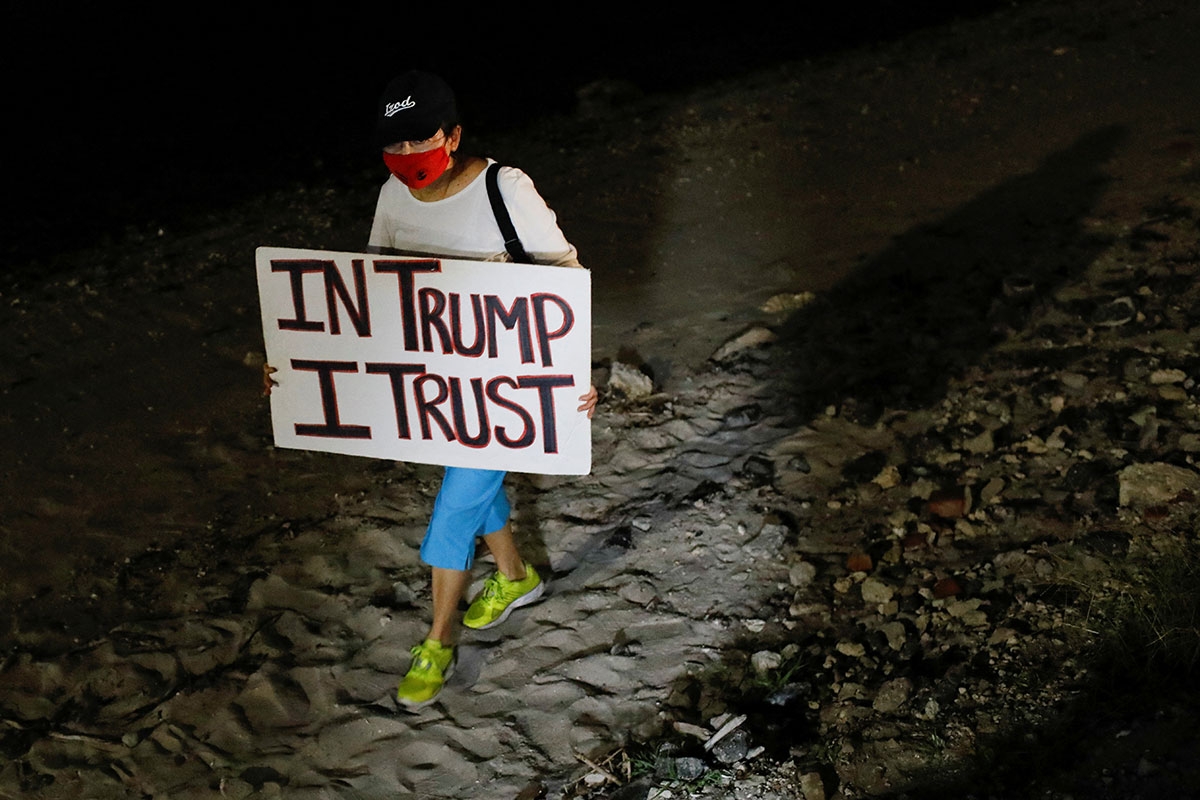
(1143, 485)
(749, 339)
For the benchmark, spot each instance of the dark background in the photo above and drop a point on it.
(118, 117)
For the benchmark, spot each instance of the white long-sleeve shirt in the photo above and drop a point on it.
(463, 225)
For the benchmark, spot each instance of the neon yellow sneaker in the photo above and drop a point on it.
(500, 597)
(432, 664)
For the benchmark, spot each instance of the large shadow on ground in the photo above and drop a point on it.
(893, 333)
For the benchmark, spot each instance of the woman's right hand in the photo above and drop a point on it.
(587, 402)
(268, 381)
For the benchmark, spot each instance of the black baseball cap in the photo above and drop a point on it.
(414, 106)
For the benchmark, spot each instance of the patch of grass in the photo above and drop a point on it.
(774, 680)
(1140, 671)
(1152, 631)
(642, 760)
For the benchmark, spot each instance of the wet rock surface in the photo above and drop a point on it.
(887, 539)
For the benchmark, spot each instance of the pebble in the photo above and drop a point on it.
(802, 574)
(852, 649)
(875, 591)
(946, 587)
(629, 381)
(859, 562)
(812, 786)
(781, 303)
(764, 661)
(892, 695)
(732, 748)
(1146, 767)
(1164, 376)
(888, 477)
(896, 633)
(689, 768)
(983, 443)
(1172, 393)
(991, 491)
(948, 503)
(595, 779)
(1073, 381)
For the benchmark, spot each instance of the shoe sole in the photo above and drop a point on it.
(532, 596)
(411, 706)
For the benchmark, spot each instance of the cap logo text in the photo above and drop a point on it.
(392, 108)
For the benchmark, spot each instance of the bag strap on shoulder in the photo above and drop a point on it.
(512, 243)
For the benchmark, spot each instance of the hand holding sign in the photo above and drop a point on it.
(268, 381)
(588, 401)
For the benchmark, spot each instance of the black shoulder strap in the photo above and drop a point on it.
(511, 242)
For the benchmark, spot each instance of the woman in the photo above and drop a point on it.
(436, 203)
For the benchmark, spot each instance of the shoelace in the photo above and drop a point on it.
(421, 661)
(491, 588)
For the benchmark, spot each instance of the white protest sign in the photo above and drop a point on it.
(436, 361)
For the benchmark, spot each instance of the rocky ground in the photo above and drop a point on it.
(904, 507)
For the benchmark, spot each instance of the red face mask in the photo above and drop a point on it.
(418, 170)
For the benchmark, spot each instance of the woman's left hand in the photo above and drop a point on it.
(588, 401)
(267, 381)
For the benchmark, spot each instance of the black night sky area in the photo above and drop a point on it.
(119, 118)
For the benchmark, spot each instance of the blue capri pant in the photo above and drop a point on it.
(470, 504)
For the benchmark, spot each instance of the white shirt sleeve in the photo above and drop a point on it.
(537, 226)
(381, 233)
